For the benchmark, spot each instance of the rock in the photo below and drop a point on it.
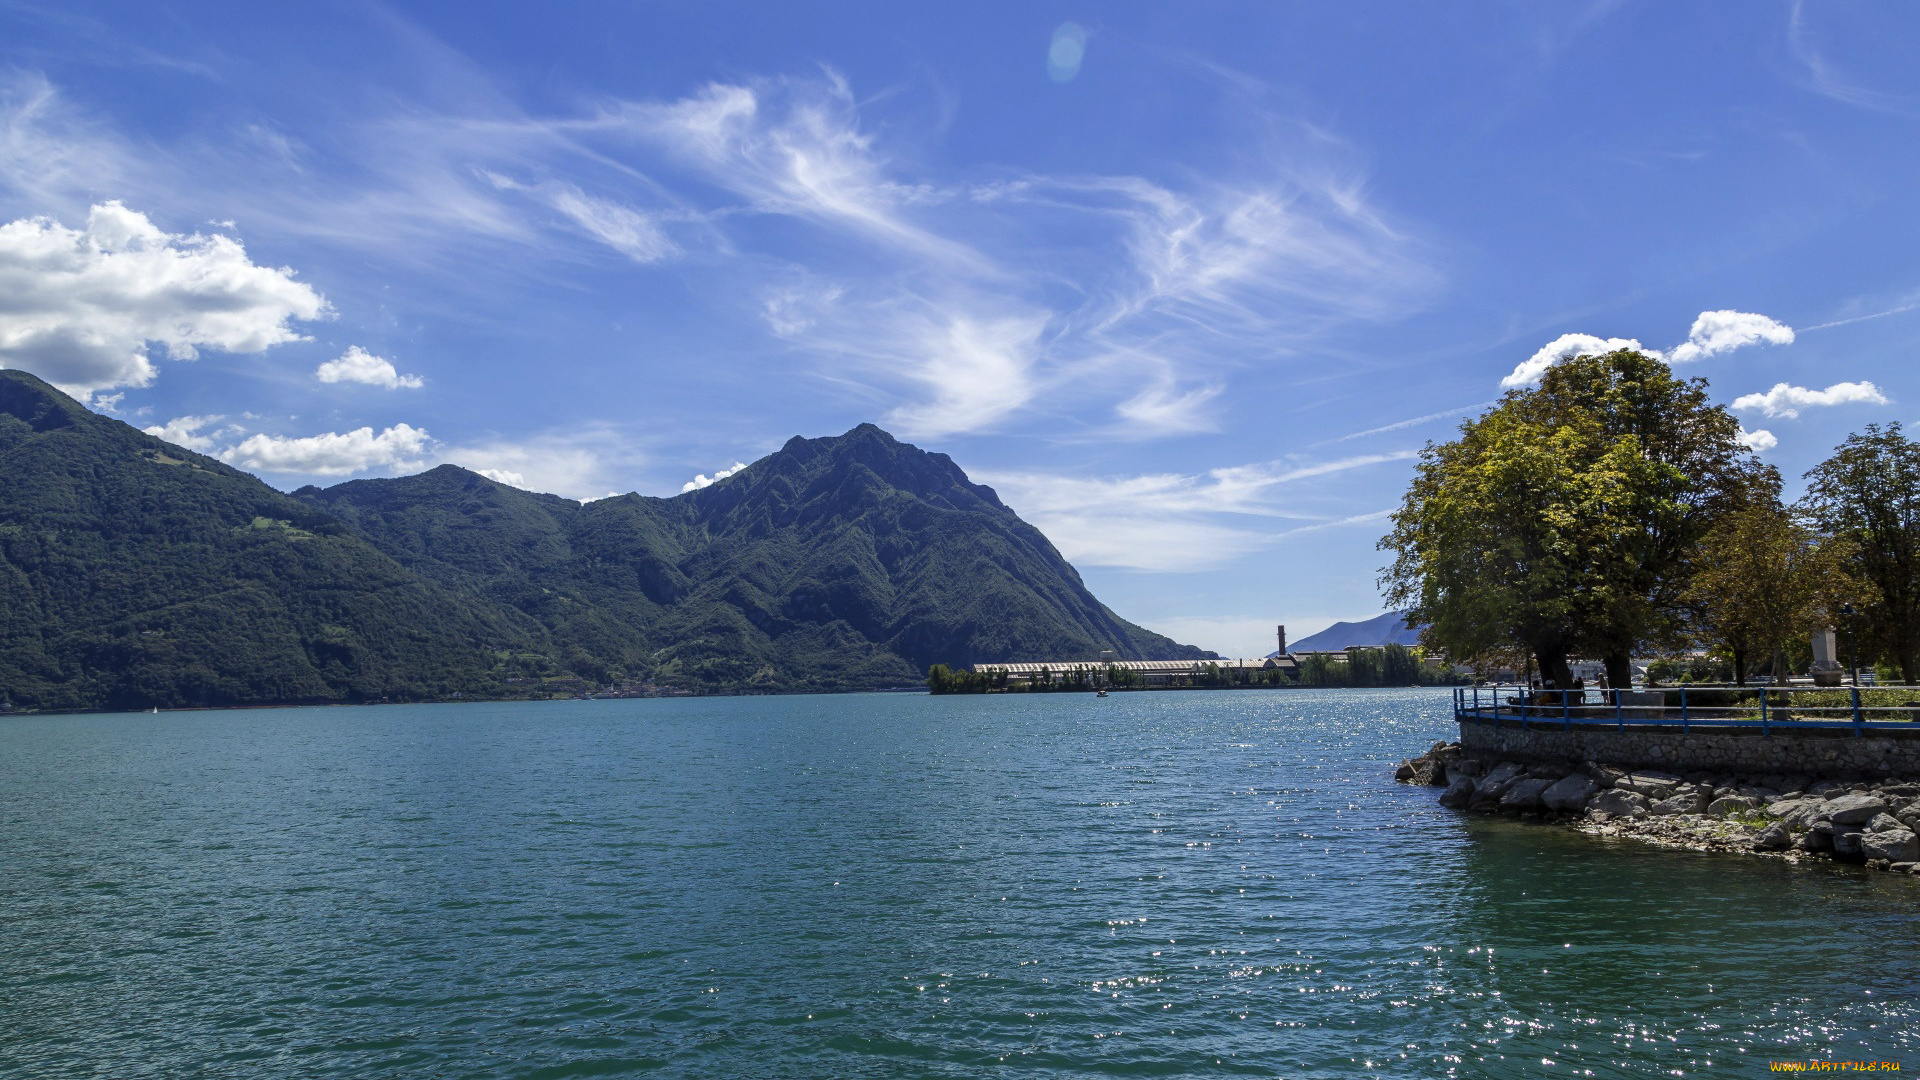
(1854, 809)
(1569, 795)
(1524, 794)
(1892, 845)
(1653, 785)
(1905, 867)
(1620, 803)
(1846, 846)
(1458, 794)
(1502, 774)
(1813, 840)
(1604, 775)
(1688, 803)
(1404, 773)
(1732, 804)
(1884, 823)
(1775, 837)
(1464, 767)
(1910, 817)
(1494, 784)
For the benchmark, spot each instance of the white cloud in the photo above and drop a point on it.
(1564, 347)
(795, 147)
(1758, 441)
(1167, 521)
(332, 453)
(576, 463)
(1785, 400)
(1166, 409)
(83, 305)
(701, 480)
(187, 431)
(633, 233)
(976, 372)
(357, 365)
(1723, 331)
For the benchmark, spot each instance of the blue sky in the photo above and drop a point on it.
(1188, 284)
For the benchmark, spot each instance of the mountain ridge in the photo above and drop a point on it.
(138, 573)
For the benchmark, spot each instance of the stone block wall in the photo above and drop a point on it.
(1744, 751)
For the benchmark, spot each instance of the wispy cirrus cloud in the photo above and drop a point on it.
(1172, 522)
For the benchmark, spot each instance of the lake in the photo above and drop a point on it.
(1199, 883)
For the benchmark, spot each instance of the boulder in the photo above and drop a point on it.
(1775, 837)
(1524, 794)
(1502, 774)
(1893, 845)
(1846, 846)
(1653, 785)
(1732, 804)
(1814, 840)
(1850, 810)
(1620, 803)
(1884, 823)
(1568, 795)
(1687, 803)
(1458, 794)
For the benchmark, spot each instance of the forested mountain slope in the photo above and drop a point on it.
(137, 573)
(134, 573)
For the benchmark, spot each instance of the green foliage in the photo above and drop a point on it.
(1569, 517)
(137, 573)
(1762, 581)
(1867, 496)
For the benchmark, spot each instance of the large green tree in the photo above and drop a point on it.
(1868, 495)
(1568, 518)
(1764, 580)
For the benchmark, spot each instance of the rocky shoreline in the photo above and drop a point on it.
(1875, 823)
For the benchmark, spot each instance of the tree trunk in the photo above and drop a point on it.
(1553, 668)
(1619, 670)
(1739, 667)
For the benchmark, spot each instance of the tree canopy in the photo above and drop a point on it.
(1569, 517)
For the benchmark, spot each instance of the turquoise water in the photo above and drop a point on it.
(1167, 884)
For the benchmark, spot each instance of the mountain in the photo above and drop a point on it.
(833, 563)
(134, 572)
(1389, 628)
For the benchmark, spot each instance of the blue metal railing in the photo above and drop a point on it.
(1766, 707)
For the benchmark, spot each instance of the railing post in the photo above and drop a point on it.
(1619, 710)
(1566, 710)
(1496, 707)
(1857, 732)
(1683, 709)
(1766, 729)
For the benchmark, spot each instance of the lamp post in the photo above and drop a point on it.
(1846, 641)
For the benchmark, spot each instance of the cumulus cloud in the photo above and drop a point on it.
(1758, 441)
(701, 480)
(1786, 400)
(504, 476)
(188, 431)
(83, 306)
(1716, 332)
(1564, 347)
(331, 453)
(357, 365)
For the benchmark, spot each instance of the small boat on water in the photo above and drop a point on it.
(1099, 693)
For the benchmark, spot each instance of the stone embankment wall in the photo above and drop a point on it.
(1747, 750)
(1794, 794)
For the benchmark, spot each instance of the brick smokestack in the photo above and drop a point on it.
(1283, 638)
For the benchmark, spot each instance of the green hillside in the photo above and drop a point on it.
(134, 573)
